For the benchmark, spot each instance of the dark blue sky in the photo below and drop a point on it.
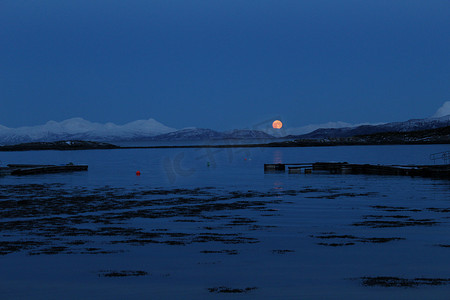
(223, 64)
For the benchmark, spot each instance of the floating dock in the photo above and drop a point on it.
(437, 171)
(27, 169)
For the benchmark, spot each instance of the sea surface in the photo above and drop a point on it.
(208, 223)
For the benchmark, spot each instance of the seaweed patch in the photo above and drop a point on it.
(388, 281)
(228, 290)
(58, 219)
(122, 273)
(349, 240)
(229, 252)
(282, 251)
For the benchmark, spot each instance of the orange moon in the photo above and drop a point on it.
(277, 124)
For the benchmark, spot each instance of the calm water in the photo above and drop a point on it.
(201, 223)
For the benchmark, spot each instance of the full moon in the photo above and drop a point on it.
(277, 124)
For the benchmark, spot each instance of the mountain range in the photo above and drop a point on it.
(410, 125)
(196, 134)
(141, 130)
(151, 130)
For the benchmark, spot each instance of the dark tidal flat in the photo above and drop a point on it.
(225, 233)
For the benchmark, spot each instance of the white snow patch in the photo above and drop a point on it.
(444, 110)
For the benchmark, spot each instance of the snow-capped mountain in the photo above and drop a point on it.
(151, 130)
(410, 125)
(80, 129)
(141, 130)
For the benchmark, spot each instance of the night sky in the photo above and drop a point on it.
(223, 64)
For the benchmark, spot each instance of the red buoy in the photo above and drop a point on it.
(138, 173)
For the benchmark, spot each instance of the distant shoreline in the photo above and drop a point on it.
(285, 145)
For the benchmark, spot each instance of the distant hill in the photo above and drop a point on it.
(436, 136)
(410, 125)
(429, 136)
(197, 134)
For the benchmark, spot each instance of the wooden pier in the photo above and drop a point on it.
(282, 167)
(28, 169)
(436, 171)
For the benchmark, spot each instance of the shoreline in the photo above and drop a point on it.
(289, 144)
(286, 145)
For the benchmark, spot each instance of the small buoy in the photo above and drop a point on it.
(208, 164)
(245, 158)
(138, 173)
